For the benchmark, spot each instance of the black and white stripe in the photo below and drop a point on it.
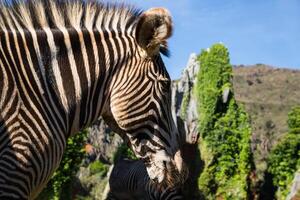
(129, 180)
(65, 63)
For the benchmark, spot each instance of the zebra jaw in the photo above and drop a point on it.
(162, 167)
(156, 170)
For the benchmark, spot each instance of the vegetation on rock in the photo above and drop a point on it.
(184, 105)
(224, 129)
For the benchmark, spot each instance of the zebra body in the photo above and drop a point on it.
(129, 181)
(65, 63)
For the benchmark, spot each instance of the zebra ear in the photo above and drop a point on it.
(153, 29)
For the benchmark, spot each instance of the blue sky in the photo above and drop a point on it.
(255, 31)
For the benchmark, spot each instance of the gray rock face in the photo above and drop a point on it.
(295, 189)
(184, 111)
(184, 108)
(103, 141)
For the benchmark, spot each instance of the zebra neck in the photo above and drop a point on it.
(86, 63)
(68, 71)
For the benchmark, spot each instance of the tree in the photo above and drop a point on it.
(294, 120)
(284, 159)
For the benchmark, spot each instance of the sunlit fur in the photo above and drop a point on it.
(39, 14)
(62, 65)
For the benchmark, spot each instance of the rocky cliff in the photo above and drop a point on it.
(184, 107)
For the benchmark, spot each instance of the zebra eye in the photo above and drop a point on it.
(165, 86)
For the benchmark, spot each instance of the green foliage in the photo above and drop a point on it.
(93, 180)
(98, 167)
(224, 128)
(215, 72)
(294, 120)
(124, 151)
(62, 177)
(184, 105)
(284, 159)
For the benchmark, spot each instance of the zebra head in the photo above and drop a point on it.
(140, 100)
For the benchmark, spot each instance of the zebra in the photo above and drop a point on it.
(65, 63)
(129, 181)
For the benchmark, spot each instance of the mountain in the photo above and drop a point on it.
(268, 94)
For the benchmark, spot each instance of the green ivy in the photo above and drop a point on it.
(224, 129)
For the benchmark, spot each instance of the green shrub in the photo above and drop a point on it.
(123, 151)
(284, 159)
(98, 167)
(294, 120)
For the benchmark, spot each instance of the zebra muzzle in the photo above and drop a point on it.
(178, 161)
(181, 167)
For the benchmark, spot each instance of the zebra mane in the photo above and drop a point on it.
(53, 14)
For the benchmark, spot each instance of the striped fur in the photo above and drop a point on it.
(62, 65)
(129, 181)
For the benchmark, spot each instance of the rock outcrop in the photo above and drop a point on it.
(103, 141)
(295, 189)
(184, 107)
